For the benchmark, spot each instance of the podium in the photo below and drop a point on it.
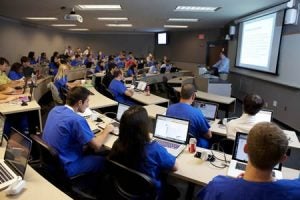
(212, 84)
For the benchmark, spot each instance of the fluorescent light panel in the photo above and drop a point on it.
(119, 25)
(112, 18)
(78, 29)
(99, 7)
(182, 20)
(63, 25)
(196, 8)
(175, 26)
(42, 18)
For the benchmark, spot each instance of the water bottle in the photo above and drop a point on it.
(148, 90)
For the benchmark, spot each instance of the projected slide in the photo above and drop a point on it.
(259, 42)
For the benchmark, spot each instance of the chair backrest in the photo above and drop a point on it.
(55, 93)
(131, 184)
(48, 156)
(173, 69)
(106, 92)
(163, 70)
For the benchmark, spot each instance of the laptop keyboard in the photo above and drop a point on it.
(4, 174)
(168, 144)
(242, 167)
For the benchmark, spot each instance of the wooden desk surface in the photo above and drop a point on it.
(99, 101)
(219, 129)
(36, 186)
(211, 97)
(148, 100)
(196, 170)
(11, 107)
(201, 172)
(99, 74)
(153, 110)
(181, 79)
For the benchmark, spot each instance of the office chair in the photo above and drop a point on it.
(108, 94)
(173, 69)
(130, 184)
(51, 167)
(162, 70)
(55, 94)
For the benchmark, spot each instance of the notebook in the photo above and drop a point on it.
(116, 123)
(15, 160)
(209, 110)
(239, 159)
(171, 133)
(141, 86)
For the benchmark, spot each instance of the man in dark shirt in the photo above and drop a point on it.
(109, 74)
(27, 69)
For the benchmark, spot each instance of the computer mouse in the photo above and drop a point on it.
(24, 103)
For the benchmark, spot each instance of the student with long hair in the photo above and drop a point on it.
(61, 80)
(135, 149)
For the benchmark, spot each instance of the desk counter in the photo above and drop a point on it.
(99, 101)
(153, 110)
(148, 100)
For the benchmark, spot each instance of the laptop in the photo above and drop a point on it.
(141, 86)
(116, 123)
(171, 133)
(209, 110)
(2, 123)
(263, 116)
(239, 159)
(15, 160)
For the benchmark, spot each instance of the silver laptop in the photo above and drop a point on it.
(239, 159)
(116, 123)
(141, 86)
(263, 116)
(15, 160)
(171, 133)
(209, 110)
(2, 123)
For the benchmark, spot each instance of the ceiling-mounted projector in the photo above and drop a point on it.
(73, 17)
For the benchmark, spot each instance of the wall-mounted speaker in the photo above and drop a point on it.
(291, 16)
(231, 30)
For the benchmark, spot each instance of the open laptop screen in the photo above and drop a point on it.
(17, 152)
(171, 128)
(238, 151)
(263, 116)
(141, 85)
(121, 109)
(209, 110)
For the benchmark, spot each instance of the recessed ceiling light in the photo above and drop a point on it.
(119, 25)
(66, 25)
(182, 20)
(42, 18)
(78, 29)
(112, 18)
(175, 26)
(196, 8)
(99, 7)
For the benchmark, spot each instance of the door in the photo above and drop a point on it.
(213, 51)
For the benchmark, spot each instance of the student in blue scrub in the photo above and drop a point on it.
(31, 58)
(131, 70)
(266, 147)
(77, 61)
(119, 90)
(100, 66)
(16, 71)
(199, 127)
(135, 149)
(61, 80)
(69, 133)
